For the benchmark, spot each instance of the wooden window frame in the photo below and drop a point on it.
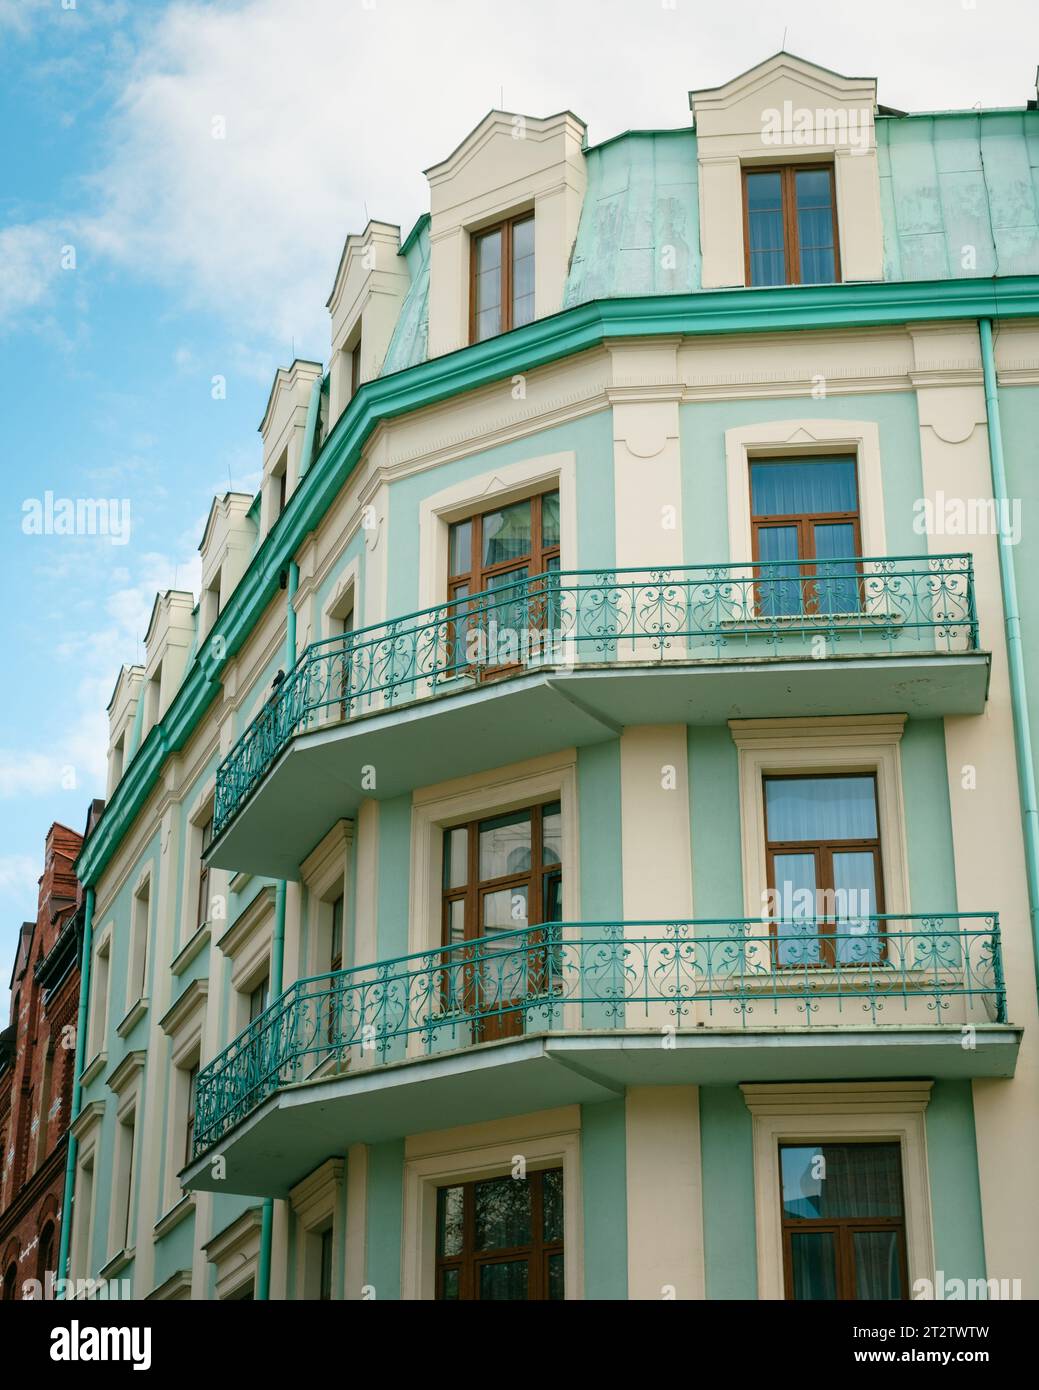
(788, 196)
(534, 562)
(844, 1229)
(823, 852)
(189, 1115)
(507, 1022)
(805, 522)
(470, 1261)
(205, 840)
(355, 368)
(507, 228)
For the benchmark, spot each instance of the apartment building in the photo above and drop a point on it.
(581, 844)
(37, 1056)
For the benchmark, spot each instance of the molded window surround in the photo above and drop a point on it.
(471, 798)
(801, 439)
(441, 1159)
(316, 1203)
(857, 743)
(325, 876)
(825, 1112)
(497, 487)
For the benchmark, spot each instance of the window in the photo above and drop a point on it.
(259, 996)
(501, 875)
(824, 869)
(45, 1253)
(501, 1239)
(139, 944)
(189, 1114)
(501, 292)
(790, 226)
(325, 1281)
(206, 838)
(805, 535)
(99, 989)
(336, 945)
(283, 478)
(124, 1177)
(355, 369)
(11, 1284)
(505, 546)
(843, 1221)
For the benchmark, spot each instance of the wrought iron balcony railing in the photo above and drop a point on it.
(588, 617)
(740, 974)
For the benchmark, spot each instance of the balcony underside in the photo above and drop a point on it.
(300, 1126)
(320, 776)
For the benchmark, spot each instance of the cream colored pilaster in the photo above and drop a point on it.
(721, 223)
(983, 793)
(655, 834)
(665, 1211)
(365, 913)
(356, 1220)
(150, 1121)
(280, 1252)
(858, 214)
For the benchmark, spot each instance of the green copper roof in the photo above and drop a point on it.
(959, 200)
(960, 197)
(639, 231)
(408, 345)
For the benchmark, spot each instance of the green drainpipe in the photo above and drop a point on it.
(263, 1273)
(310, 429)
(1015, 650)
(77, 1089)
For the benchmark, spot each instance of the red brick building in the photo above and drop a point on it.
(37, 1058)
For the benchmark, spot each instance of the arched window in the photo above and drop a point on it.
(10, 1282)
(45, 1253)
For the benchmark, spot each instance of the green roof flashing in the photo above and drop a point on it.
(791, 308)
(420, 222)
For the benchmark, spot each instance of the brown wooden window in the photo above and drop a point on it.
(325, 1276)
(790, 225)
(843, 1222)
(501, 278)
(355, 369)
(824, 869)
(283, 481)
(806, 535)
(335, 963)
(504, 546)
(500, 875)
(259, 997)
(202, 913)
(501, 1239)
(189, 1119)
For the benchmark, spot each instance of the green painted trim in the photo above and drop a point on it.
(423, 220)
(1015, 649)
(952, 1165)
(77, 1089)
(727, 1168)
(604, 1191)
(790, 308)
(306, 457)
(385, 1218)
(685, 130)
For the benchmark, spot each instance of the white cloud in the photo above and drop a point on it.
(30, 263)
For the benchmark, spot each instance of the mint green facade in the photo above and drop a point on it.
(653, 1049)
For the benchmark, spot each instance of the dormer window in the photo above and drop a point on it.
(502, 278)
(790, 225)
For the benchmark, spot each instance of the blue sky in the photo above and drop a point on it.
(195, 255)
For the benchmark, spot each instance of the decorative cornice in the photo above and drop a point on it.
(813, 1098)
(787, 309)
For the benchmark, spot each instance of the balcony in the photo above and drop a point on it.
(574, 1012)
(569, 658)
